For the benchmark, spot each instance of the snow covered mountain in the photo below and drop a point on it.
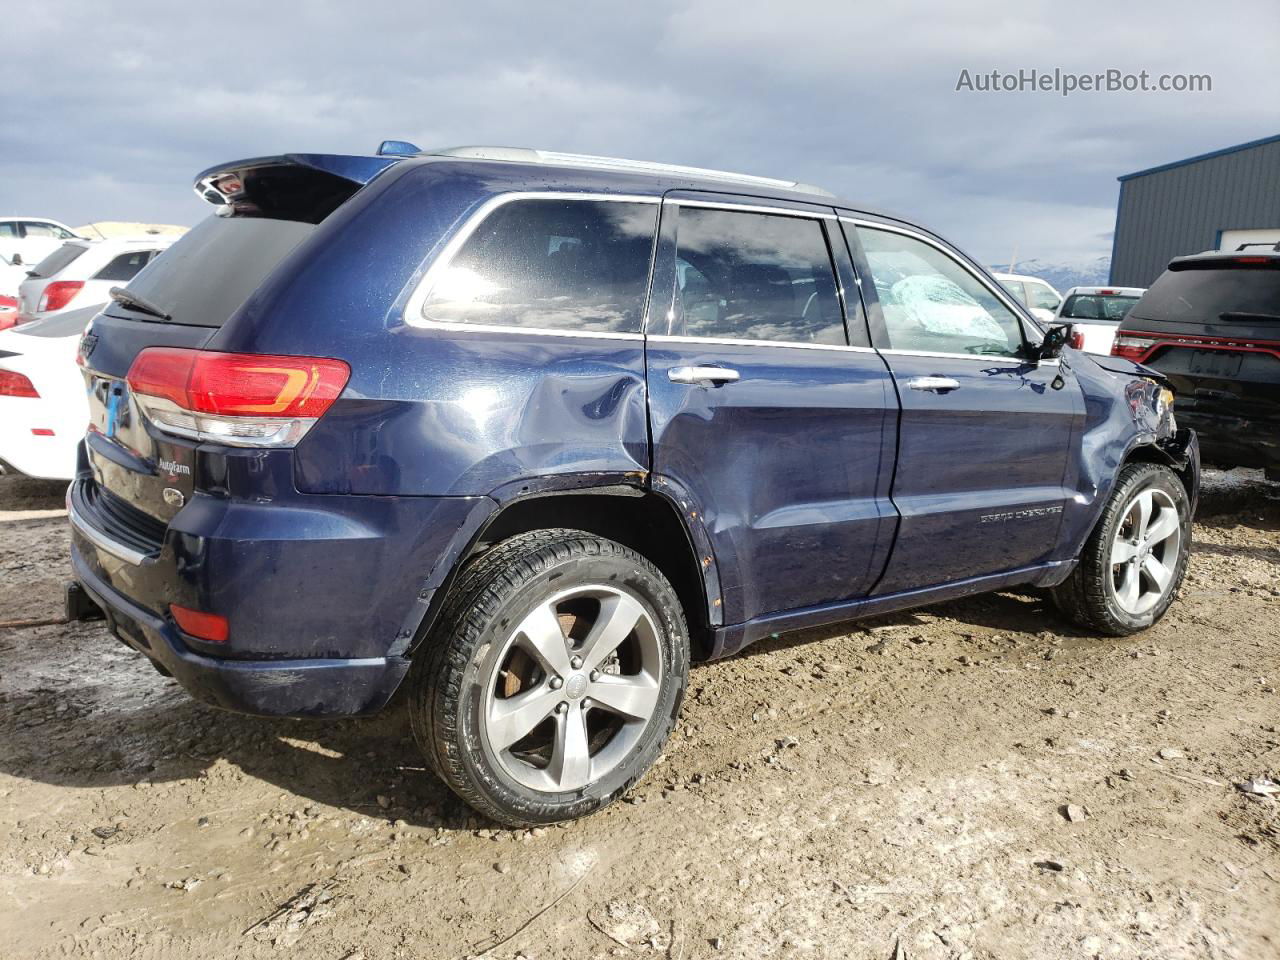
(1085, 273)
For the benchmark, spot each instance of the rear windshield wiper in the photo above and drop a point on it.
(1244, 315)
(134, 302)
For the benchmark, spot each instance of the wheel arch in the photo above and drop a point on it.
(647, 521)
(1180, 453)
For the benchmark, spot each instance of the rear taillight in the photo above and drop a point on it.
(211, 627)
(16, 385)
(1131, 345)
(58, 294)
(240, 399)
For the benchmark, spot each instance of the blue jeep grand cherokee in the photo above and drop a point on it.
(527, 432)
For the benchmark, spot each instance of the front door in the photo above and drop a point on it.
(776, 430)
(985, 431)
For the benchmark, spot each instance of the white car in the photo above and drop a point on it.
(1036, 295)
(28, 240)
(43, 407)
(1096, 312)
(11, 275)
(82, 272)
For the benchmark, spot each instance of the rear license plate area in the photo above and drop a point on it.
(1215, 363)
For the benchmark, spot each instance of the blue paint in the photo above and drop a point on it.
(816, 488)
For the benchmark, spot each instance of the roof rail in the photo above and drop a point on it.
(1263, 243)
(551, 157)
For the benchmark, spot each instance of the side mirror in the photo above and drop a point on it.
(17, 260)
(1056, 338)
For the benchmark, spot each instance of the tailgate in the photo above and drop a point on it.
(1219, 381)
(128, 460)
(267, 208)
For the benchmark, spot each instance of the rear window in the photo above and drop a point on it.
(58, 261)
(580, 265)
(204, 278)
(1088, 306)
(125, 267)
(1200, 295)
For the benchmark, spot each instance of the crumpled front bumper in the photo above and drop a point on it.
(1183, 452)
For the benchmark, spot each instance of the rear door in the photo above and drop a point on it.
(773, 426)
(985, 432)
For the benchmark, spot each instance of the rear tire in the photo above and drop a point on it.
(552, 679)
(1133, 563)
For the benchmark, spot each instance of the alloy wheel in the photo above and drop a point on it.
(1145, 551)
(573, 688)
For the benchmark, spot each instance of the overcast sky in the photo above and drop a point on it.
(110, 109)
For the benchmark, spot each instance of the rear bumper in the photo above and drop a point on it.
(293, 688)
(323, 595)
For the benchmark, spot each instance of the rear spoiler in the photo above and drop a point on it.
(1213, 258)
(294, 186)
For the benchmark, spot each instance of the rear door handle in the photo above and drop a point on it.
(702, 375)
(935, 384)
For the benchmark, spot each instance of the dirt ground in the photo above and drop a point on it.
(897, 788)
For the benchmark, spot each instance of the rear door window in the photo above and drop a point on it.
(124, 267)
(58, 261)
(754, 276)
(550, 264)
(33, 228)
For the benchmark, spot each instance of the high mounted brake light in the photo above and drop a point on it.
(240, 399)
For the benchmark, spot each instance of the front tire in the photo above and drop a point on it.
(552, 679)
(1133, 563)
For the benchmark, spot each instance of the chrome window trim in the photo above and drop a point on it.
(731, 342)
(413, 315)
(748, 208)
(461, 326)
(986, 357)
(1001, 294)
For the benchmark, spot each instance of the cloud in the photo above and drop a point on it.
(126, 103)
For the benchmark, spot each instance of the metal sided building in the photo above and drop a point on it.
(1217, 200)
